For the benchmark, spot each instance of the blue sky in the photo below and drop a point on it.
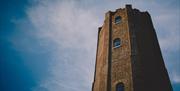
(50, 45)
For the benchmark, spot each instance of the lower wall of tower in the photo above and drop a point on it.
(121, 73)
(100, 81)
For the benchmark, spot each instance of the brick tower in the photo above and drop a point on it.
(128, 54)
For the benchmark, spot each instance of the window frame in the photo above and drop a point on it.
(115, 44)
(118, 19)
(120, 87)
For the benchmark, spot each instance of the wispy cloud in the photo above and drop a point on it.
(72, 32)
(167, 28)
(176, 77)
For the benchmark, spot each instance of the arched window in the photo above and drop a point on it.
(116, 42)
(117, 19)
(120, 87)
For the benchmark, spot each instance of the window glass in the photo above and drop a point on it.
(120, 87)
(116, 42)
(118, 19)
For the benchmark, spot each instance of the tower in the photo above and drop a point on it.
(128, 55)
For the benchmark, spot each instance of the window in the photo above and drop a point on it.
(116, 43)
(118, 19)
(120, 87)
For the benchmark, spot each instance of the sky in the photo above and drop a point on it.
(50, 45)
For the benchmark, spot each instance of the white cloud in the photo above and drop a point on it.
(73, 33)
(168, 29)
(176, 77)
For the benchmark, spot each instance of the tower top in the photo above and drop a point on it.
(129, 6)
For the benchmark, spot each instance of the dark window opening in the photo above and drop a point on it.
(120, 87)
(116, 43)
(118, 19)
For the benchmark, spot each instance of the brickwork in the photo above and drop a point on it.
(121, 59)
(100, 83)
